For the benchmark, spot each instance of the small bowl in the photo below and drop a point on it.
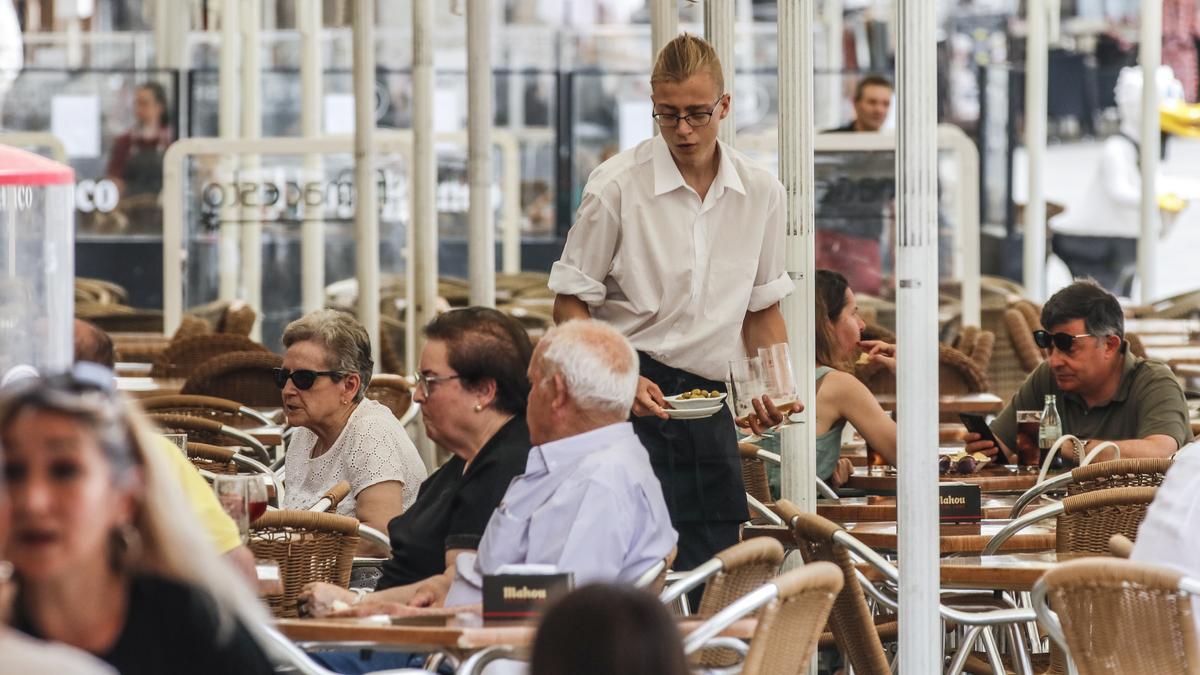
(693, 403)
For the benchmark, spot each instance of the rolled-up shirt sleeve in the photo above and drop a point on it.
(772, 282)
(588, 254)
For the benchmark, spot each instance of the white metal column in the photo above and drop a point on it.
(229, 127)
(664, 26)
(1036, 94)
(830, 85)
(251, 225)
(917, 339)
(1149, 56)
(424, 173)
(798, 471)
(720, 29)
(481, 232)
(366, 201)
(312, 230)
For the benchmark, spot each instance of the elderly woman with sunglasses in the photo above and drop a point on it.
(342, 435)
(473, 391)
(106, 555)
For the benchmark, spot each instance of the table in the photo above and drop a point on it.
(1162, 326)
(1185, 370)
(981, 404)
(149, 387)
(954, 538)
(991, 478)
(1166, 354)
(1003, 571)
(132, 369)
(268, 435)
(877, 508)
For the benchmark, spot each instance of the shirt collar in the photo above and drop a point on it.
(565, 452)
(667, 177)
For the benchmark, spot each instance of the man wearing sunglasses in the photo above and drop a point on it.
(679, 245)
(1104, 392)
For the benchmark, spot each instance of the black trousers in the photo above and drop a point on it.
(1108, 260)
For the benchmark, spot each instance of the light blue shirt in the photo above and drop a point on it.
(588, 504)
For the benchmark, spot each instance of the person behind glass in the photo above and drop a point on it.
(341, 434)
(136, 163)
(842, 397)
(1104, 392)
(872, 100)
(678, 244)
(107, 557)
(472, 387)
(604, 629)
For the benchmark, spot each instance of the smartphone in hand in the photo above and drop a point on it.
(976, 424)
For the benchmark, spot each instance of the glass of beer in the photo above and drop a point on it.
(1028, 423)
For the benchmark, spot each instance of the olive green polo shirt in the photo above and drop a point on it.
(1148, 401)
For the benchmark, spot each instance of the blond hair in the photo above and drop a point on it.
(685, 56)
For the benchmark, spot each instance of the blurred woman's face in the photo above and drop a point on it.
(848, 327)
(321, 403)
(146, 108)
(445, 405)
(63, 497)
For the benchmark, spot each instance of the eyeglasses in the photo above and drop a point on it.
(1063, 342)
(425, 382)
(694, 120)
(303, 379)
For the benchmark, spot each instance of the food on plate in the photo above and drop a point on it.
(963, 463)
(699, 393)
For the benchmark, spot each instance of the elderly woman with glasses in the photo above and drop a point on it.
(341, 435)
(473, 390)
(106, 555)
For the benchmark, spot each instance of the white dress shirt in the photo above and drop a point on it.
(588, 504)
(674, 273)
(1168, 535)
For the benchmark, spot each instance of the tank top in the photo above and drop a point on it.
(829, 444)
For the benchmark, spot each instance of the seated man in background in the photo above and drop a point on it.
(1104, 392)
(93, 345)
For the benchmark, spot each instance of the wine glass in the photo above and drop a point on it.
(233, 494)
(777, 371)
(256, 497)
(746, 383)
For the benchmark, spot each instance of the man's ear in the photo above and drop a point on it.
(559, 399)
(726, 104)
(1113, 344)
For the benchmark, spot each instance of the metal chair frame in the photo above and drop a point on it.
(1018, 524)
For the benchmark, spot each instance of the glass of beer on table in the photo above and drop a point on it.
(1028, 423)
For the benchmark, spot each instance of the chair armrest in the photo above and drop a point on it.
(1120, 546)
(738, 609)
(478, 661)
(1019, 524)
(762, 510)
(1056, 483)
(690, 580)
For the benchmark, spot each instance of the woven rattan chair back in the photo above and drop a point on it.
(240, 376)
(850, 620)
(1090, 519)
(392, 391)
(182, 357)
(212, 458)
(197, 428)
(309, 547)
(754, 474)
(789, 627)
(1134, 472)
(745, 567)
(391, 345)
(221, 410)
(1020, 333)
(957, 374)
(985, 344)
(121, 319)
(1120, 617)
(238, 319)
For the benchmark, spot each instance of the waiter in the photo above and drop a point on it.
(679, 244)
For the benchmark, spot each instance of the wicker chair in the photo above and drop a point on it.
(754, 474)
(332, 497)
(965, 342)
(1020, 332)
(1086, 521)
(238, 319)
(957, 374)
(1135, 345)
(216, 459)
(99, 292)
(392, 391)
(121, 319)
(182, 357)
(239, 376)
(392, 342)
(1117, 616)
(1134, 472)
(792, 610)
(308, 547)
(230, 413)
(210, 431)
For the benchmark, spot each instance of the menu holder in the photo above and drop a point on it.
(520, 597)
(959, 504)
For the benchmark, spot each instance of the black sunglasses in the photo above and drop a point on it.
(303, 379)
(1063, 342)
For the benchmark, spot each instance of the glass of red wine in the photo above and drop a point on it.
(256, 497)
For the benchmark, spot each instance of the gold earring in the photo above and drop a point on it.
(478, 408)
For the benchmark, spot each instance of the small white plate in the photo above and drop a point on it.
(693, 403)
(693, 413)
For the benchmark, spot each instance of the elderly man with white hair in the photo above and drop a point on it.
(588, 502)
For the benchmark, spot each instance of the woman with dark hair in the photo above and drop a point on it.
(472, 387)
(605, 629)
(137, 156)
(841, 397)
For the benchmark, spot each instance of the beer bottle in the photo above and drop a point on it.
(1050, 431)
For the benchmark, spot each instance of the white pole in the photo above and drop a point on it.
(1036, 83)
(252, 129)
(481, 232)
(796, 137)
(664, 26)
(1150, 56)
(229, 127)
(720, 29)
(424, 172)
(916, 310)
(312, 229)
(366, 202)
(510, 221)
(831, 83)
